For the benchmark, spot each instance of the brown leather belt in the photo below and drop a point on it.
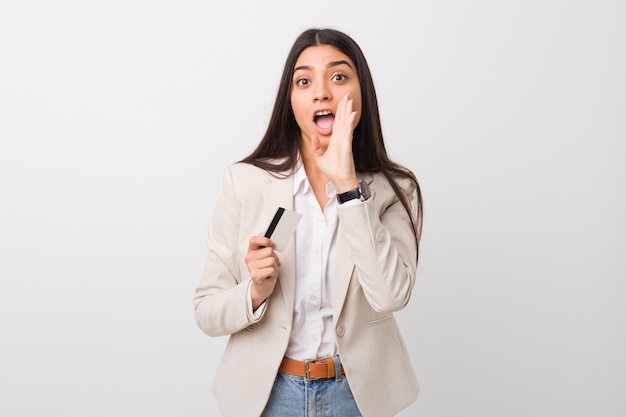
(312, 369)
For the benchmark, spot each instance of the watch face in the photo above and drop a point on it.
(365, 190)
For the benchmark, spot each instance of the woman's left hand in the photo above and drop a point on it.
(337, 161)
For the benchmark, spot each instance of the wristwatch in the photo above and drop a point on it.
(362, 192)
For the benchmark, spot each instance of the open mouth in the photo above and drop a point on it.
(324, 121)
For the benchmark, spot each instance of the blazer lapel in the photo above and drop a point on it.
(342, 274)
(279, 193)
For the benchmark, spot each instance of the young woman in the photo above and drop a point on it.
(312, 331)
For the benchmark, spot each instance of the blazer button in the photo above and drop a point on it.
(379, 237)
(341, 331)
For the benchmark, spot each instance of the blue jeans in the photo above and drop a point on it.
(295, 396)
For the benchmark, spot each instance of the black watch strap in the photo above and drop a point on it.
(349, 195)
(362, 192)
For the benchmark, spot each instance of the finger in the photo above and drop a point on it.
(346, 104)
(316, 145)
(341, 110)
(264, 268)
(253, 257)
(259, 241)
(266, 257)
(344, 118)
(260, 275)
(353, 119)
(266, 262)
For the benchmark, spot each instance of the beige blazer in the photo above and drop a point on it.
(375, 264)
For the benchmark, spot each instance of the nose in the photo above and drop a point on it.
(322, 93)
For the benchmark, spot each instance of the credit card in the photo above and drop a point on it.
(282, 227)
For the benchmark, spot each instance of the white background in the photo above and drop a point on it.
(118, 117)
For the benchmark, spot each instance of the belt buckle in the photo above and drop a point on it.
(307, 371)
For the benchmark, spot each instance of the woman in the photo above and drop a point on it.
(311, 328)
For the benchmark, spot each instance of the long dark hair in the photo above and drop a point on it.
(278, 150)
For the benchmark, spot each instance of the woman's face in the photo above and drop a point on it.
(323, 75)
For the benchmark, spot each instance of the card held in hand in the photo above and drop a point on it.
(282, 227)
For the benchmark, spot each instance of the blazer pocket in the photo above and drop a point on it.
(380, 321)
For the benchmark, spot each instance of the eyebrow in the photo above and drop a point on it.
(329, 65)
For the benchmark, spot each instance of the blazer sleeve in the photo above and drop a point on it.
(220, 299)
(383, 247)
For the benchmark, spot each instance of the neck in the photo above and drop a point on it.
(315, 176)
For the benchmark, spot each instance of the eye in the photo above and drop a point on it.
(339, 77)
(302, 82)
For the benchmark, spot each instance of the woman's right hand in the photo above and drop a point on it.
(263, 264)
